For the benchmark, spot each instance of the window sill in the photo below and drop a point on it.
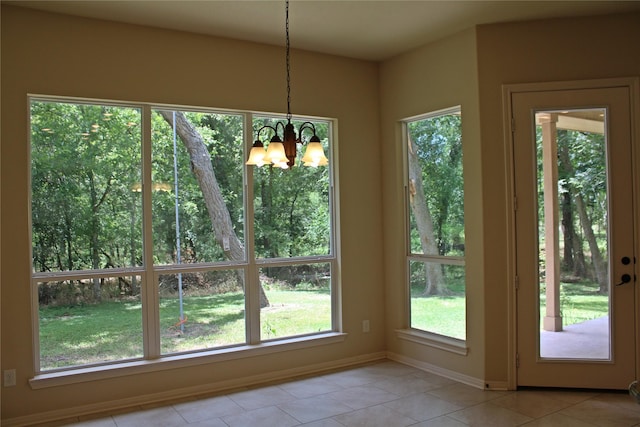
(452, 345)
(93, 373)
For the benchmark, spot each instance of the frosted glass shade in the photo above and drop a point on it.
(314, 156)
(257, 155)
(275, 153)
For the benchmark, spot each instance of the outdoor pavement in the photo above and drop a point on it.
(586, 340)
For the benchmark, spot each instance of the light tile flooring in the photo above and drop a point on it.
(385, 394)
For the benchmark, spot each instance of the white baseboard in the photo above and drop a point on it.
(497, 385)
(169, 395)
(453, 375)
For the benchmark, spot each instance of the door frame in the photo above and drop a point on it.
(633, 83)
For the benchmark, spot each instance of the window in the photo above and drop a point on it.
(126, 271)
(436, 272)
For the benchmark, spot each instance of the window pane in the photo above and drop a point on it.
(87, 214)
(76, 329)
(292, 212)
(198, 213)
(436, 224)
(201, 310)
(300, 300)
(436, 186)
(442, 311)
(84, 161)
(573, 232)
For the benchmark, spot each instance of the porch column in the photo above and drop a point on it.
(552, 320)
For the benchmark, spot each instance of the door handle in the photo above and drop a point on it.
(625, 278)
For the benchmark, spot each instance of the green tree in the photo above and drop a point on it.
(436, 192)
(292, 207)
(83, 157)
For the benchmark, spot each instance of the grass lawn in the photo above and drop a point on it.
(579, 302)
(441, 315)
(445, 315)
(112, 331)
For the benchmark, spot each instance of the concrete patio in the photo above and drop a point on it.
(586, 340)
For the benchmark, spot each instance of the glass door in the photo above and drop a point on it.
(574, 225)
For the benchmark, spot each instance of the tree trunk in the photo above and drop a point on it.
(568, 232)
(587, 227)
(596, 256)
(216, 206)
(579, 263)
(95, 257)
(424, 222)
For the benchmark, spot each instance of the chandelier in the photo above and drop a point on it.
(281, 151)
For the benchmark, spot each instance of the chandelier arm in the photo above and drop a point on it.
(266, 127)
(275, 131)
(304, 126)
(280, 124)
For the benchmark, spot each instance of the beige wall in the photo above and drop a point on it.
(542, 51)
(58, 55)
(469, 69)
(436, 76)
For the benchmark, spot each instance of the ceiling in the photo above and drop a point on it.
(363, 29)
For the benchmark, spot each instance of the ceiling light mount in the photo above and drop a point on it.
(282, 152)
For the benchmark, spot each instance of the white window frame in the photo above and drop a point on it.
(152, 359)
(419, 336)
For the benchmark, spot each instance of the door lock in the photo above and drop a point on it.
(626, 278)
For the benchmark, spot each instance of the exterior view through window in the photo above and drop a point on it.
(573, 231)
(436, 235)
(170, 226)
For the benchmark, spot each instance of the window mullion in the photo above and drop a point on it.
(150, 302)
(252, 278)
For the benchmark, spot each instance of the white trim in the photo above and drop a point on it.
(570, 85)
(428, 367)
(113, 370)
(511, 272)
(424, 338)
(334, 209)
(149, 272)
(440, 259)
(456, 109)
(497, 386)
(441, 342)
(634, 89)
(217, 387)
(508, 90)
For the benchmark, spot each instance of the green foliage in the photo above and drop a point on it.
(439, 149)
(84, 160)
(222, 134)
(582, 172)
(453, 277)
(292, 216)
(77, 335)
(579, 302)
(87, 215)
(87, 204)
(112, 331)
(445, 315)
(440, 315)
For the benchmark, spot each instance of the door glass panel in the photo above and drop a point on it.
(573, 235)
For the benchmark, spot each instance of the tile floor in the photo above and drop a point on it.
(385, 394)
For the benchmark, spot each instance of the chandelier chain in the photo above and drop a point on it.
(288, 63)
